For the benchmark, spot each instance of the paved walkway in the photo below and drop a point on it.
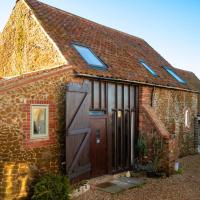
(177, 187)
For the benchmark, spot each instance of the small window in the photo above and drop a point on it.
(39, 121)
(96, 113)
(173, 74)
(89, 56)
(187, 118)
(148, 68)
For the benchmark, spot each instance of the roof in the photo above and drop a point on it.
(120, 51)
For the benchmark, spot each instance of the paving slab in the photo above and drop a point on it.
(120, 184)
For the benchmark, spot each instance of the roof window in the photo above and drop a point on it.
(174, 75)
(148, 68)
(89, 56)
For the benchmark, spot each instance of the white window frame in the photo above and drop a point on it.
(39, 136)
(187, 118)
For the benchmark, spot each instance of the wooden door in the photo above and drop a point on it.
(98, 145)
(119, 102)
(123, 118)
(77, 131)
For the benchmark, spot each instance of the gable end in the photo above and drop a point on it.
(25, 46)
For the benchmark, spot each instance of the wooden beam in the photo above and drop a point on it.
(78, 154)
(78, 131)
(76, 111)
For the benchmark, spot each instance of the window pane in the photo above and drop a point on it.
(103, 98)
(126, 95)
(187, 118)
(119, 96)
(39, 121)
(89, 56)
(96, 95)
(172, 73)
(147, 67)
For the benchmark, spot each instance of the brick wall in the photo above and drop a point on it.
(20, 157)
(168, 108)
(28, 143)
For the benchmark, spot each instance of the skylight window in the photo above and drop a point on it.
(148, 68)
(89, 56)
(173, 74)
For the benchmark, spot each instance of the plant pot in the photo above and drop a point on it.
(154, 174)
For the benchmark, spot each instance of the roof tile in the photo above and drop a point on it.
(120, 51)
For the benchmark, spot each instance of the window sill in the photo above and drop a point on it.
(39, 138)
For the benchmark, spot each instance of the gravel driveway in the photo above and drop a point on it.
(177, 187)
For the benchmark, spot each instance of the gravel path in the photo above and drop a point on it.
(176, 187)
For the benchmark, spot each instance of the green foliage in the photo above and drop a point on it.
(157, 151)
(51, 187)
(141, 147)
(180, 171)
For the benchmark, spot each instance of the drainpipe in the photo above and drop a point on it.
(152, 96)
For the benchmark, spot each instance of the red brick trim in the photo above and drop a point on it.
(36, 143)
(158, 124)
(16, 82)
(153, 122)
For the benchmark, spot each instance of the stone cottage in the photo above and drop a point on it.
(75, 96)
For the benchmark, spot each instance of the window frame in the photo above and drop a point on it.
(174, 75)
(39, 136)
(148, 68)
(103, 67)
(187, 118)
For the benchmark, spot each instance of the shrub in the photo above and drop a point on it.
(158, 146)
(180, 171)
(51, 187)
(141, 147)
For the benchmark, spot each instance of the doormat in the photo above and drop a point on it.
(120, 184)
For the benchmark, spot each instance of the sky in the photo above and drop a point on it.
(171, 27)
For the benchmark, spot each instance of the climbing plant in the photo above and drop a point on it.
(141, 147)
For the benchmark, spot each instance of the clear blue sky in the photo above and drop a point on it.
(172, 27)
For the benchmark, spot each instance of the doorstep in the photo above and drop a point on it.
(120, 184)
(105, 178)
(110, 183)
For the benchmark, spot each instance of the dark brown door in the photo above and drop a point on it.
(78, 163)
(123, 122)
(120, 103)
(98, 145)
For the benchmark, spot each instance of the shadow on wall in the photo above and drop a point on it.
(15, 180)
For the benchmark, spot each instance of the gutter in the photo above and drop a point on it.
(134, 82)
